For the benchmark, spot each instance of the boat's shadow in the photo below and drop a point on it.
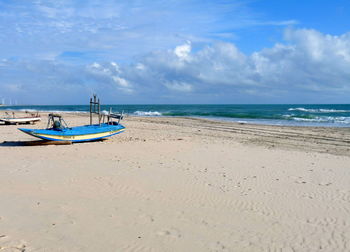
(40, 143)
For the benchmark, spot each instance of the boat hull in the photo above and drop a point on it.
(77, 134)
(23, 120)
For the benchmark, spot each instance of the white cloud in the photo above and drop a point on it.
(320, 46)
(120, 81)
(140, 66)
(183, 51)
(95, 65)
(310, 64)
(179, 86)
(279, 23)
(115, 66)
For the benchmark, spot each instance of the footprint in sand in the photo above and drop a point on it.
(218, 246)
(300, 181)
(21, 248)
(325, 184)
(172, 232)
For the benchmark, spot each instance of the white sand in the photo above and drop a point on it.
(170, 184)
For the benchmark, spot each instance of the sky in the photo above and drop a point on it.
(174, 51)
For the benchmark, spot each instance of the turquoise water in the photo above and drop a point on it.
(329, 115)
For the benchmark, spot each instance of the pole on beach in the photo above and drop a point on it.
(90, 111)
(95, 108)
(99, 109)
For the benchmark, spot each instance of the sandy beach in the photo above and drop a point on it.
(177, 184)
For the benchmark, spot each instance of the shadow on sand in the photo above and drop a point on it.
(32, 143)
(39, 143)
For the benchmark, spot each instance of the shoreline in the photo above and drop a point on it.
(257, 122)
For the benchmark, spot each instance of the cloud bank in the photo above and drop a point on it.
(308, 67)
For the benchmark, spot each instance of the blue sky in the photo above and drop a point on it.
(175, 51)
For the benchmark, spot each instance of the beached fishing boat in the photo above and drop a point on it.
(33, 118)
(20, 120)
(58, 130)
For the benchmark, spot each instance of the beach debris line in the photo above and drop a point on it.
(58, 130)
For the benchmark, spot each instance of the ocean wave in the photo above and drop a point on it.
(303, 116)
(324, 119)
(319, 110)
(28, 110)
(147, 113)
(65, 111)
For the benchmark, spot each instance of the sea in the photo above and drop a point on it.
(323, 115)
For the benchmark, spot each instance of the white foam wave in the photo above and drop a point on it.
(147, 113)
(333, 111)
(319, 110)
(28, 110)
(64, 111)
(325, 119)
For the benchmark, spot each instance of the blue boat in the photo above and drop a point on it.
(58, 129)
(77, 134)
